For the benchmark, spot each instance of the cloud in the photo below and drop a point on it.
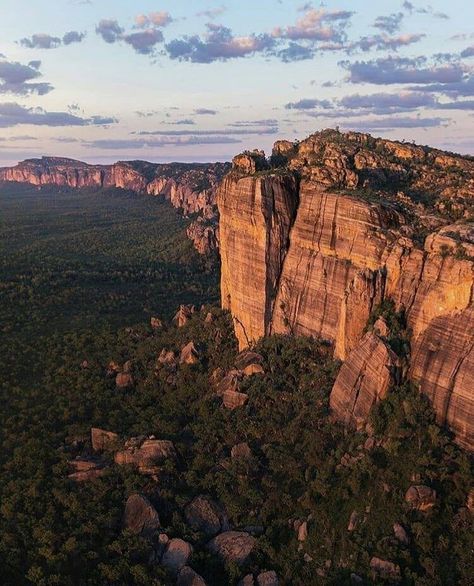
(13, 114)
(41, 41)
(219, 44)
(205, 111)
(391, 123)
(144, 42)
(458, 105)
(317, 25)
(16, 78)
(213, 12)
(391, 24)
(45, 41)
(384, 42)
(309, 104)
(109, 30)
(125, 144)
(247, 123)
(295, 52)
(391, 70)
(263, 130)
(159, 19)
(182, 122)
(464, 87)
(410, 8)
(388, 102)
(468, 52)
(73, 37)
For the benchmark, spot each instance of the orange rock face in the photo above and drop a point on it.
(364, 379)
(304, 252)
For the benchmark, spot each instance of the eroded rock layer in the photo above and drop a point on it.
(313, 239)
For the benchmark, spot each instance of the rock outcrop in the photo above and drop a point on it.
(145, 455)
(188, 187)
(140, 516)
(363, 380)
(313, 240)
(233, 546)
(205, 515)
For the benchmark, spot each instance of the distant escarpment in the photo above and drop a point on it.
(314, 239)
(191, 187)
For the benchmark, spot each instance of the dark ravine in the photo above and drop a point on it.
(314, 239)
(190, 187)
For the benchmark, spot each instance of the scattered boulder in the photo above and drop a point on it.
(247, 581)
(156, 323)
(177, 554)
(188, 577)
(233, 546)
(124, 380)
(85, 364)
(205, 515)
(84, 469)
(102, 440)
(252, 369)
(421, 497)
(183, 315)
(233, 399)
(268, 579)
(189, 354)
(400, 534)
(209, 318)
(229, 382)
(140, 516)
(147, 455)
(247, 358)
(385, 569)
(301, 529)
(241, 451)
(470, 501)
(113, 368)
(167, 357)
(353, 521)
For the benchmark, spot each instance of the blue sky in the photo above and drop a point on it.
(103, 80)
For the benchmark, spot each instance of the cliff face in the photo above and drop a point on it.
(313, 240)
(189, 187)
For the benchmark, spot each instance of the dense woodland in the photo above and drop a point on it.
(81, 274)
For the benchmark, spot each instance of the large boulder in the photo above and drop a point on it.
(124, 380)
(102, 439)
(385, 569)
(147, 455)
(188, 577)
(233, 546)
(241, 451)
(85, 469)
(269, 578)
(233, 399)
(183, 315)
(189, 354)
(247, 358)
(205, 515)
(363, 380)
(140, 516)
(177, 554)
(420, 497)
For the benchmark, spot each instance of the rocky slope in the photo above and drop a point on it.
(189, 187)
(313, 240)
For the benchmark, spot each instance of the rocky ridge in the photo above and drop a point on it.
(315, 238)
(188, 187)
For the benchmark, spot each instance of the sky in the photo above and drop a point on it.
(162, 80)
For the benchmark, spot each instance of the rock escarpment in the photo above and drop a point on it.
(188, 187)
(315, 238)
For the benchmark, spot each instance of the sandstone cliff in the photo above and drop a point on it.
(315, 238)
(189, 187)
